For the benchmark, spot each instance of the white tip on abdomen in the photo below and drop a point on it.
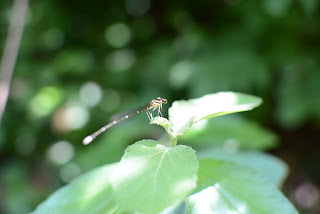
(87, 140)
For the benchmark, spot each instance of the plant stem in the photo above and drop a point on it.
(11, 47)
(173, 140)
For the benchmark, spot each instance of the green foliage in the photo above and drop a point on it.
(212, 105)
(88, 193)
(299, 100)
(183, 114)
(152, 176)
(243, 72)
(17, 190)
(230, 131)
(269, 166)
(228, 187)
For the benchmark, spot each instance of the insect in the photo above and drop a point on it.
(149, 108)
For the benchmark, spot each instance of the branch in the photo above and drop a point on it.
(10, 52)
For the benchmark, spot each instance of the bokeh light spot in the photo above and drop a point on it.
(53, 39)
(60, 153)
(118, 35)
(76, 117)
(111, 100)
(70, 117)
(121, 60)
(277, 8)
(69, 172)
(180, 74)
(307, 195)
(90, 94)
(231, 145)
(45, 101)
(25, 144)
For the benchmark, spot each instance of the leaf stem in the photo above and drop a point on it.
(173, 140)
(166, 124)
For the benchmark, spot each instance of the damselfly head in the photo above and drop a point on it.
(162, 100)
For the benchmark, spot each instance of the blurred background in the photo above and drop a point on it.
(80, 62)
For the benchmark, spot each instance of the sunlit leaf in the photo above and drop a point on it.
(164, 122)
(151, 176)
(167, 125)
(89, 193)
(231, 188)
(230, 131)
(270, 166)
(211, 105)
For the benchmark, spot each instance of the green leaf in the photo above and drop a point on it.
(167, 125)
(89, 193)
(231, 188)
(230, 130)
(212, 105)
(270, 166)
(164, 122)
(151, 176)
(186, 127)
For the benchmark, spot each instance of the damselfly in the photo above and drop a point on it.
(149, 108)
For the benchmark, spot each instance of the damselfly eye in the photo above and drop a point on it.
(163, 100)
